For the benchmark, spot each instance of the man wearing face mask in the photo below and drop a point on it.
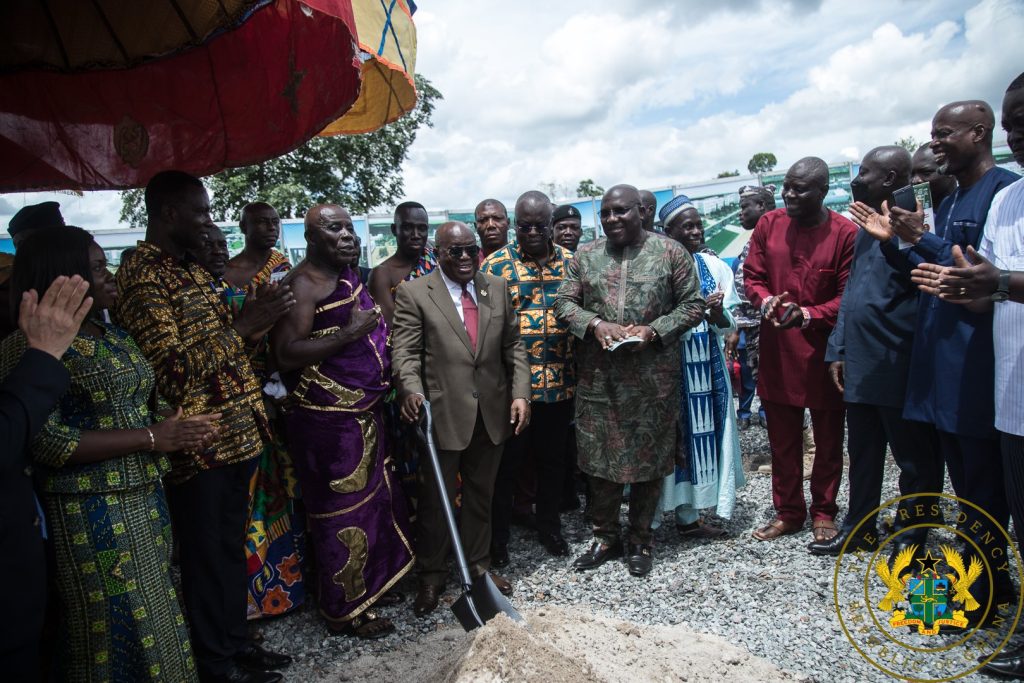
(952, 365)
(534, 267)
(869, 353)
(456, 344)
(796, 272)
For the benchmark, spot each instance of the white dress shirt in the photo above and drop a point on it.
(455, 292)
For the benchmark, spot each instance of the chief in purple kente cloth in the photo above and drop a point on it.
(332, 355)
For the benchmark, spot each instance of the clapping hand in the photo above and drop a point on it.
(262, 309)
(50, 325)
(873, 223)
(963, 282)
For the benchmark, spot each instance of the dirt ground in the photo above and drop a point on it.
(558, 645)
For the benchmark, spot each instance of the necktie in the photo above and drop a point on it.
(469, 316)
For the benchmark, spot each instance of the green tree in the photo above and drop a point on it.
(588, 188)
(908, 143)
(729, 174)
(762, 162)
(360, 172)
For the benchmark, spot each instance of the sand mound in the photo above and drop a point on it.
(564, 646)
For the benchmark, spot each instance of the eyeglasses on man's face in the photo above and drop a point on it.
(616, 211)
(528, 228)
(457, 252)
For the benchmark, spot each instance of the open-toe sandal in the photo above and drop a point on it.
(774, 529)
(367, 626)
(824, 530)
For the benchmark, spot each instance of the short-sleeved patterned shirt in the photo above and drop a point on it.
(546, 338)
(184, 329)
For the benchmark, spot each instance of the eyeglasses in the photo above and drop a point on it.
(616, 211)
(457, 252)
(527, 228)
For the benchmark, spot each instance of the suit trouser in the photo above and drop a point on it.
(915, 449)
(478, 464)
(606, 499)
(976, 471)
(785, 436)
(546, 438)
(209, 513)
(1013, 469)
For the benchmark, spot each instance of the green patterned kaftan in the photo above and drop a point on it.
(627, 402)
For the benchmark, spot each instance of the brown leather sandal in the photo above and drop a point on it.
(775, 528)
(824, 530)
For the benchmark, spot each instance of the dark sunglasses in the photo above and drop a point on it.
(472, 251)
(527, 228)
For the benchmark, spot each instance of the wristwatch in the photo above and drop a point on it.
(1002, 292)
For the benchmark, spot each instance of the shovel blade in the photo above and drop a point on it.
(481, 604)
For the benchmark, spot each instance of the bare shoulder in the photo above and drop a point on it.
(308, 285)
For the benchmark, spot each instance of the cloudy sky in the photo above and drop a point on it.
(658, 92)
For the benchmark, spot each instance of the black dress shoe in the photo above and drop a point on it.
(499, 555)
(835, 544)
(256, 658)
(1009, 663)
(554, 544)
(902, 544)
(237, 674)
(597, 555)
(640, 560)
(426, 600)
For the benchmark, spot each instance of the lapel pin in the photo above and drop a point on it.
(483, 292)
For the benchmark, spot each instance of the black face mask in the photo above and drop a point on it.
(859, 190)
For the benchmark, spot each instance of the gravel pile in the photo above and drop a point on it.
(772, 599)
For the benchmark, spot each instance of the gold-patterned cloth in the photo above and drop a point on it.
(183, 327)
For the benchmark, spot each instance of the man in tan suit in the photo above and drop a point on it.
(456, 343)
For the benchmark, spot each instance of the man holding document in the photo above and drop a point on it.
(630, 285)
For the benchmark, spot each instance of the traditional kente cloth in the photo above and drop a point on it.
(627, 402)
(708, 464)
(358, 519)
(120, 618)
(426, 264)
(184, 329)
(274, 540)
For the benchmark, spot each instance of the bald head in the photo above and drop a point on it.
(453, 232)
(533, 223)
(969, 113)
(533, 199)
(321, 215)
(810, 169)
(627, 192)
(882, 171)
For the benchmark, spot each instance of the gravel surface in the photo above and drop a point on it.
(773, 599)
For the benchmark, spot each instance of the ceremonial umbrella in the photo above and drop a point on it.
(103, 94)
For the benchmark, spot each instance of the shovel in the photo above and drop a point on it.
(480, 600)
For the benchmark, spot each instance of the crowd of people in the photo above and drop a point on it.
(259, 424)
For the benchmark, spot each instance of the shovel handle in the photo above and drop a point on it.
(446, 505)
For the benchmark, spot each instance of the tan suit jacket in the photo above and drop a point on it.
(432, 356)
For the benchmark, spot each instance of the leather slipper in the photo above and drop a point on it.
(776, 528)
(699, 529)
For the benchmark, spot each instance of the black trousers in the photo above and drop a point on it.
(976, 471)
(25, 605)
(546, 437)
(209, 513)
(915, 449)
(1013, 470)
